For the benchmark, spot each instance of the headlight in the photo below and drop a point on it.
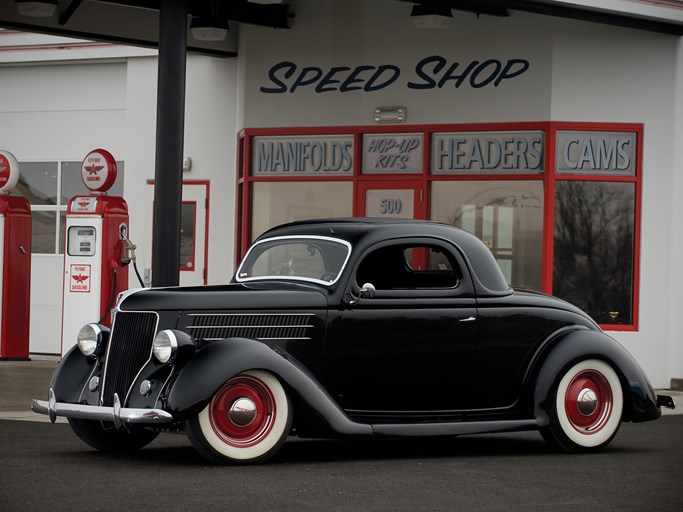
(165, 345)
(92, 338)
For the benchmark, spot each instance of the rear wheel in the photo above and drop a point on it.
(105, 437)
(585, 408)
(246, 421)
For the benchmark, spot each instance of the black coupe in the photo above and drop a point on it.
(348, 327)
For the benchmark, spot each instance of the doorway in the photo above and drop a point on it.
(194, 233)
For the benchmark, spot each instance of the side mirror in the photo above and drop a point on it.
(367, 291)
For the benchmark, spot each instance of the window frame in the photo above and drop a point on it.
(548, 177)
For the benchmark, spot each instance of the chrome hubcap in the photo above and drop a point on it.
(242, 412)
(587, 401)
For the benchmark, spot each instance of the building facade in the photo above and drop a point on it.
(553, 140)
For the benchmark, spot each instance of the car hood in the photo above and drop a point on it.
(260, 296)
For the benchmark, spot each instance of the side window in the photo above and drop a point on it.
(408, 266)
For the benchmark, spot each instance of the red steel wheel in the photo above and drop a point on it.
(588, 402)
(587, 407)
(247, 420)
(243, 411)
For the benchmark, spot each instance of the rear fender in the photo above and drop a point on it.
(640, 400)
(217, 362)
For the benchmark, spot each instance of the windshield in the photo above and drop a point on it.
(303, 258)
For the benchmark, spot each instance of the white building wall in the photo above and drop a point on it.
(578, 71)
(675, 325)
(61, 111)
(329, 34)
(610, 74)
(209, 141)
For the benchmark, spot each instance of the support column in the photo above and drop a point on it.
(169, 142)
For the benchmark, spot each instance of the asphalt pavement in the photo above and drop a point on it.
(46, 467)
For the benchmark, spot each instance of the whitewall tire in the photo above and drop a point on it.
(586, 407)
(246, 421)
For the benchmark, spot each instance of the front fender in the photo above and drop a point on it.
(214, 364)
(70, 378)
(640, 400)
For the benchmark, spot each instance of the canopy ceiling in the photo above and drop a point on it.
(136, 22)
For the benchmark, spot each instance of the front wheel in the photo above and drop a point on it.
(104, 437)
(246, 421)
(586, 408)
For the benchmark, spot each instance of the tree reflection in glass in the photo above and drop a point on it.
(593, 248)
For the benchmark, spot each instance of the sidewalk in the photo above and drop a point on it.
(22, 381)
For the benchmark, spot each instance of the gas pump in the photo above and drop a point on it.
(15, 264)
(96, 249)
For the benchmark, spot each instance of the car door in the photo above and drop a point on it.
(410, 347)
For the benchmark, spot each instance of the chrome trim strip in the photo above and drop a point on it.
(118, 415)
(295, 278)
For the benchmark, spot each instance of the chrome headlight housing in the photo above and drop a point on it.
(171, 344)
(165, 345)
(92, 338)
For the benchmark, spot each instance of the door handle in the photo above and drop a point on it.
(468, 319)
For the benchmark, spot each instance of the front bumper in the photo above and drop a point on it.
(118, 415)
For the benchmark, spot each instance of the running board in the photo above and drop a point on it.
(453, 428)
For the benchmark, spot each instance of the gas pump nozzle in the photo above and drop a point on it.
(128, 249)
(128, 252)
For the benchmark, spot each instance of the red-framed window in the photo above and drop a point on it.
(558, 203)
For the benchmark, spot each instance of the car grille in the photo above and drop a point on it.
(130, 347)
(256, 326)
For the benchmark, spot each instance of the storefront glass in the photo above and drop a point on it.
(593, 248)
(275, 203)
(506, 215)
(556, 203)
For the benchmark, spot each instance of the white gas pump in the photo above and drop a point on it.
(96, 249)
(15, 264)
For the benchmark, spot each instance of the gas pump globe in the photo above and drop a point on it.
(94, 255)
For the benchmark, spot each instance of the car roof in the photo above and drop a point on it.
(348, 226)
(364, 231)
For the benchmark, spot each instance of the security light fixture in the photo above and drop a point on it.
(208, 28)
(37, 8)
(431, 15)
(211, 25)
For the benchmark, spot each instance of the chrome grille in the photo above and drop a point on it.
(130, 346)
(256, 326)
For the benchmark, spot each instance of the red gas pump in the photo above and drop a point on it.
(96, 249)
(15, 264)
